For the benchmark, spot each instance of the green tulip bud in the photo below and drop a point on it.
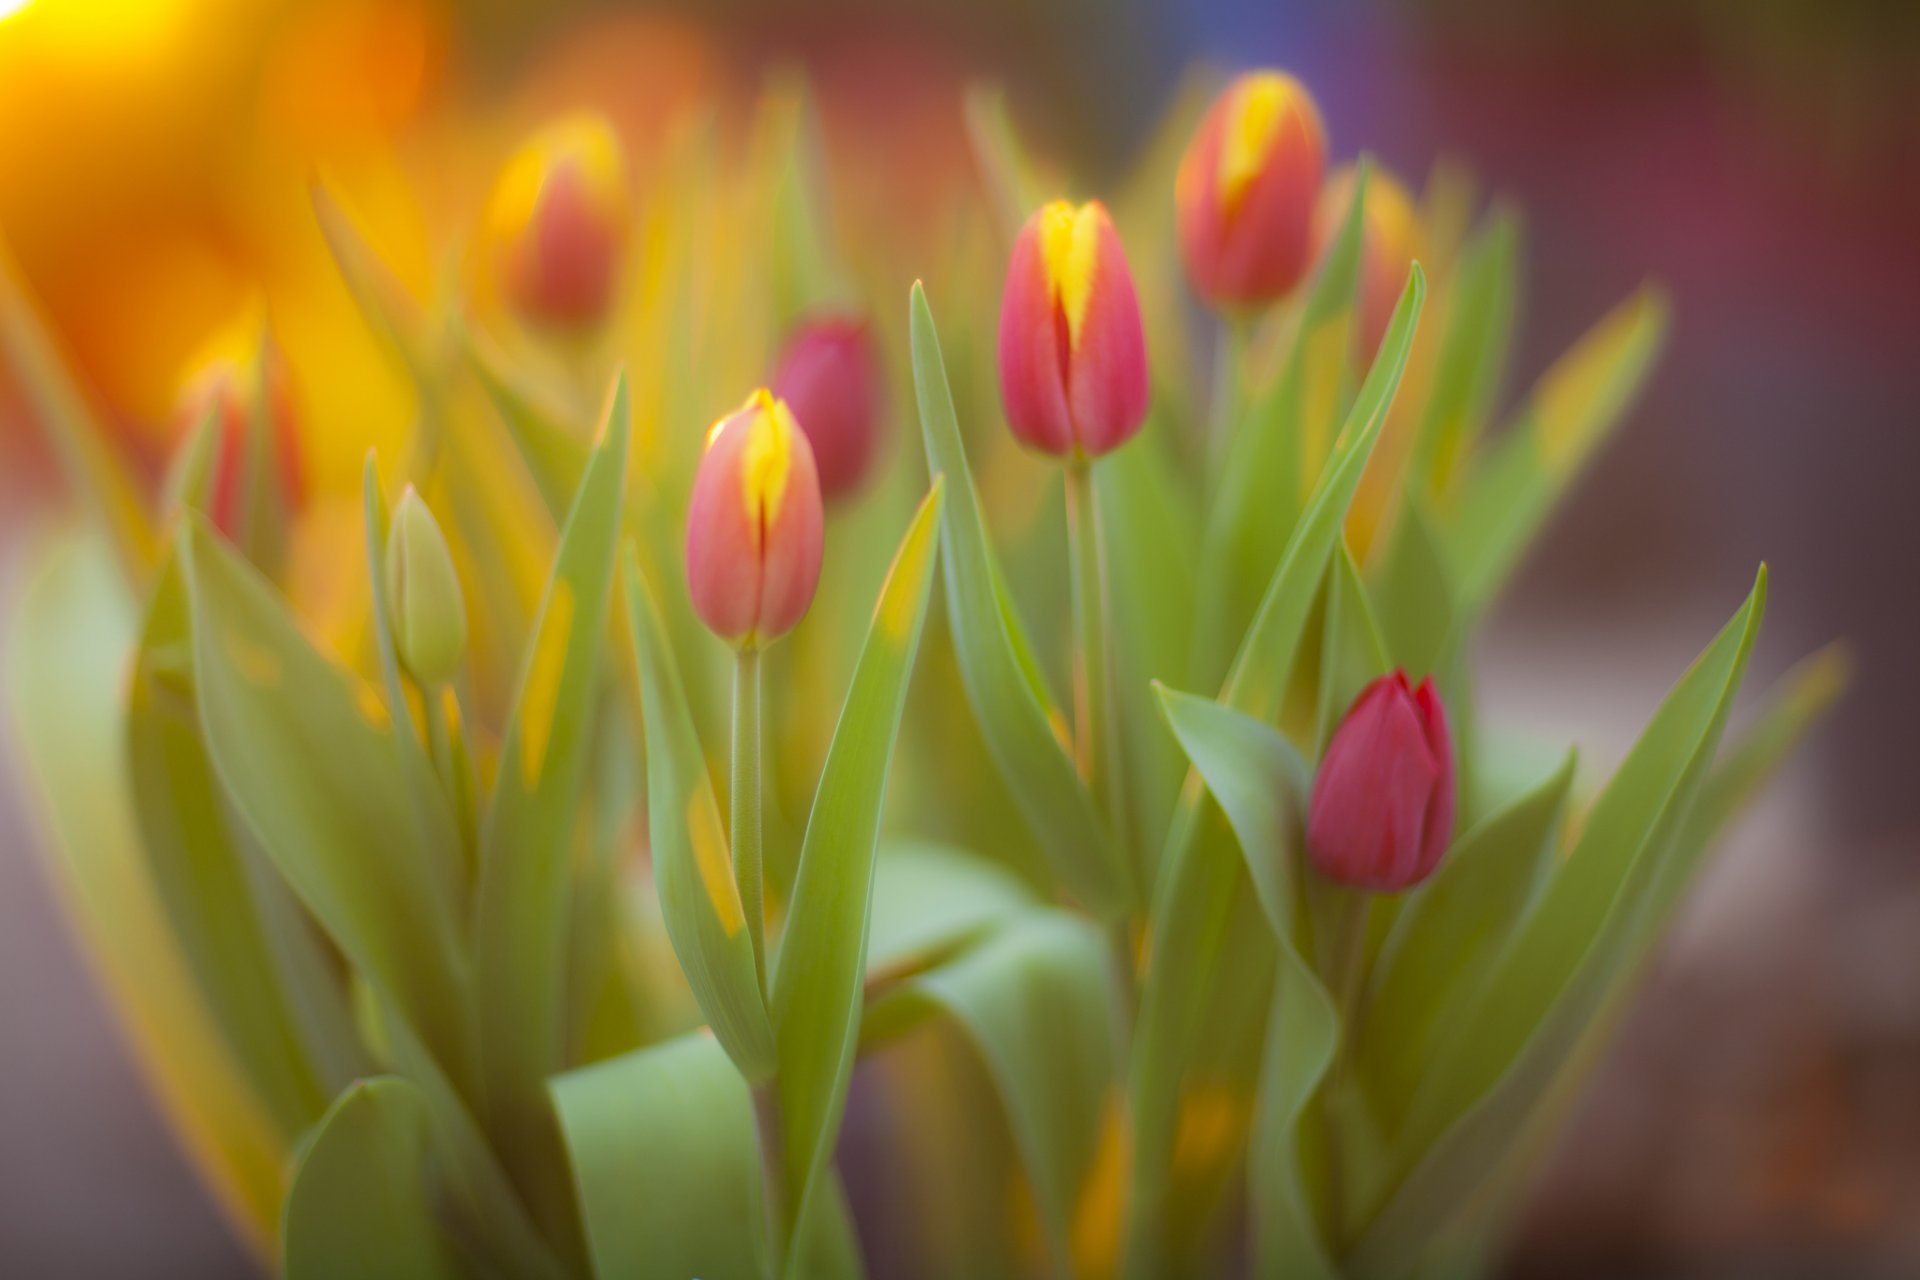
(423, 594)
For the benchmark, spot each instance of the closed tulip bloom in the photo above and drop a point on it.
(231, 390)
(1073, 356)
(429, 614)
(829, 377)
(1388, 235)
(754, 526)
(1383, 802)
(1245, 192)
(558, 224)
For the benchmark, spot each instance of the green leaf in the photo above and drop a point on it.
(1449, 932)
(930, 901)
(198, 867)
(1352, 654)
(1475, 342)
(1572, 410)
(818, 972)
(532, 822)
(555, 455)
(692, 865)
(307, 755)
(800, 256)
(1014, 186)
(1506, 1052)
(1413, 593)
(394, 316)
(362, 1202)
(99, 477)
(1197, 876)
(1022, 728)
(665, 1163)
(1261, 784)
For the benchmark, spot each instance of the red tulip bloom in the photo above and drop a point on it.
(230, 391)
(558, 225)
(754, 526)
(1383, 802)
(1073, 355)
(829, 376)
(1246, 189)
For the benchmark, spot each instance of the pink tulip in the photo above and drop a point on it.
(230, 391)
(558, 225)
(1245, 191)
(754, 526)
(829, 376)
(1073, 356)
(1383, 802)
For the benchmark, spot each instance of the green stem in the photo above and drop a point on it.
(1346, 959)
(1096, 736)
(1224, 402)
(773, 1181)
(745, 797)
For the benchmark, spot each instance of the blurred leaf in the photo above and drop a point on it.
(1022, 727)
(555, 455)
(665, 1162)
(817, 975)
(99, 478)
(197, 867)
(1413, 593)
(361, 1202)
(800, 253)
(67, 634)
(1352, 654)
(1197, 877)
(307, 755)
(692, 864)
(929, 901)
(1505, 1053)
(1448, 934)
(1572, 410)
(1475, 342)
(395, 317)
(1261, 783)
(531, 825)
(1015, 188)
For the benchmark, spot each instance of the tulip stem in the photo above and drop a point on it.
(773, 1182)
(1096, 736)
(745, 799)
(1346, 959)
(1223, 404)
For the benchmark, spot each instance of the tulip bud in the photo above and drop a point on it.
(1382, 809)
(558, 224)
(1073, 356)
(753, 526)
(231, 392)
(427, 610)
(829, 376)
(1245, 192)
(1387, 239)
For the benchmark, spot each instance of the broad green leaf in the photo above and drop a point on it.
(692, 863)
(1197, 875)
(1574, 407)
(1022, 727)
(1261, 784)
(532, 822)
(307, 755)
(99, 478)
(1271, 462)
(1449, 932)
(197, 864)
(1506, 1052)
(555, 455)
(665, 1163)
(930, 901)
(1352, 654)
(1474, 345)
(1413, 594)
(817, 975)
(1036, 1000)
(68, 633)
(363, 1199)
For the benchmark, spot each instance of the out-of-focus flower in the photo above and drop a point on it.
(558, 224)
(829, 376)
(1073, 355)
(232, 392)
(754, 525)
(1383, 802)
(1246, 189)
(429, 615)
(1389, 236)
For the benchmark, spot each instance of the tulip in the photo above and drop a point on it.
(558, 225)
(754, 525)
(231, 390)
(1388, 233)
(1073, 356)
(428, 612)
(829, 376)
(1382, 808)
(1246, 188)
